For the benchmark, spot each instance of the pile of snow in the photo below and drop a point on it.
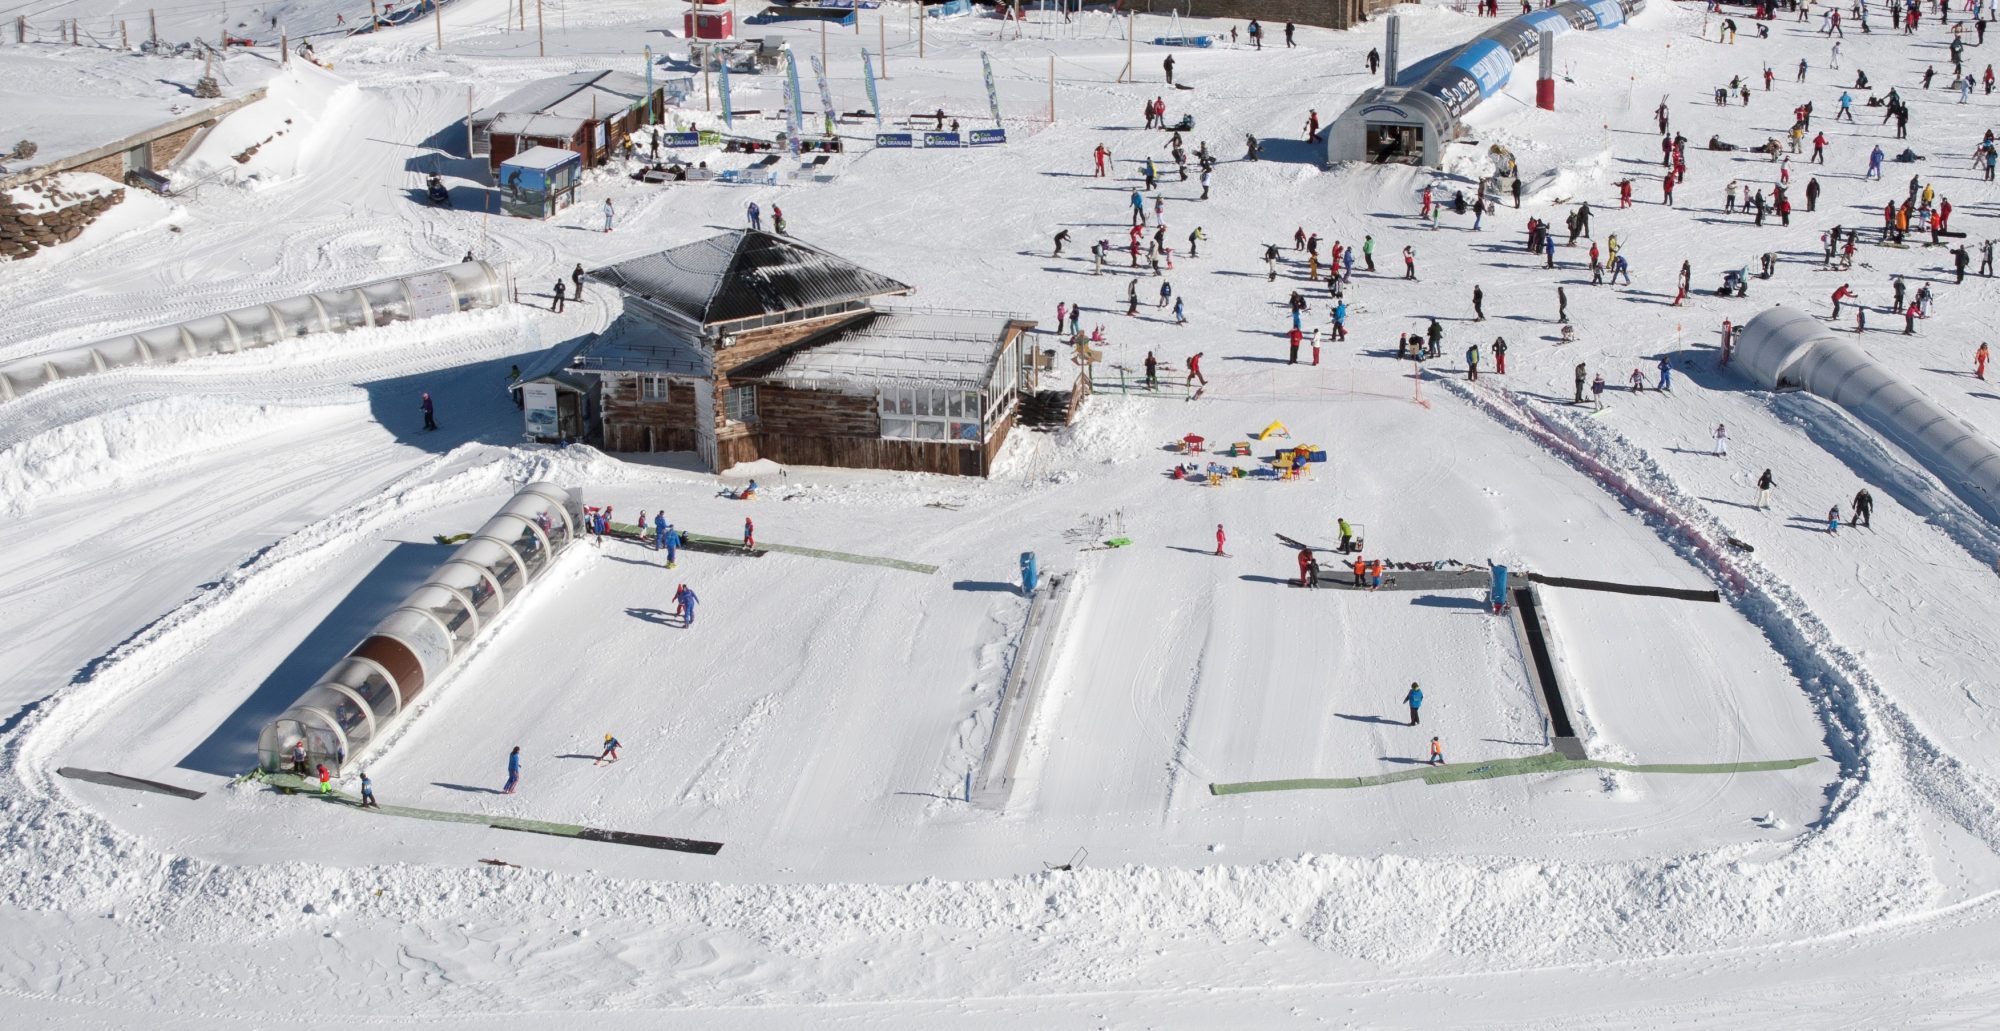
(135, 444)
(272, 140)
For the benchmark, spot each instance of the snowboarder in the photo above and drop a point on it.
(513, 771)
(368, 792)
(430, 420)
(610, 753)
(684, 602)
(1864, 507)
(1414, 698)
(1764, 484)
(1220, 538)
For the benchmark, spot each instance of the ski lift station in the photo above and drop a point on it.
(456, 288)
(356, 703)
(1415, 112)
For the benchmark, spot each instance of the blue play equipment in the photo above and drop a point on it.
(1498, 597)
(1029, 575)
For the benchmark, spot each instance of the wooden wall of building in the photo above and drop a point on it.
(631, 424)
(823, 427)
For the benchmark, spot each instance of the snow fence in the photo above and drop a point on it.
(1787, 349)
(455, 288)
(354, 705)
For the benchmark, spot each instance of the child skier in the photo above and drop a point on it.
(513, 771)
(749, 534)
(671, 540)
(684, 602)
(368, 792)
(326, 776)
(1220, 538)
(1832, 527)
(1437, 753)
(1414, 698)
(610, 753)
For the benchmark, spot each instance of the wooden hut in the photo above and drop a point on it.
(749, 345)
(589, 112)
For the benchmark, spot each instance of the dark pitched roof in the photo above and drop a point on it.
(744, 274)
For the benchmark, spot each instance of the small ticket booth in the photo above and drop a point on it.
(710, 21)
(539, 181)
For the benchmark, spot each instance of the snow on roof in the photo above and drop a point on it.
(542, 158)
(744, 274)
(928, 346)
(545, 127)
(635, 344)
(578, 95)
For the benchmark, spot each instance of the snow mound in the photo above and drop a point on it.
(276, 138)
(137, 443)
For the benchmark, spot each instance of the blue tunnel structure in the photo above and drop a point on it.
(1410, 118)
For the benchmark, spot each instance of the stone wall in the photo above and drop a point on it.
(24, 232)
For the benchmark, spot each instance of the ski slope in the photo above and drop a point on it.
(194, 543)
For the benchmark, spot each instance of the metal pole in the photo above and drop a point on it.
(882, 26)
(124, 41)
(1052, 89)
(284, 48)
(469, 146)
(920, 29)
(707, 98)
(541, 41)
(437, 10)
(153, 26)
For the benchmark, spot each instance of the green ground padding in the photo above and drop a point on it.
(627, 530)
(310, 789)
(1452, 773)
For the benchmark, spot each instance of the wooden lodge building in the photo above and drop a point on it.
(749, 346)
(589, 112)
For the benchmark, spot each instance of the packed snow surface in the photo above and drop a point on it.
(192, 545)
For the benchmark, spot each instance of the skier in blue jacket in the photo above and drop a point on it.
(513, 769)
(684, 602)
(660, 531)
(671, 540)
(1415, 699)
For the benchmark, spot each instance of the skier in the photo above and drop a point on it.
(1360, 568)
(1979, 360)
(1346, 533)
(1580, 377)
(1666, 376)
(1271, 263)
(1478, 304)
(1168, 64)
(513, 771)
(1194, 369)
(1721, 449)
(1409, 262)
(610, 753)
(1102, 155)
(1472, 363)
(1500, 355)
(1194, 242)
(368, 792)
(1061, 238)
(1367, 254)
(610, 214)
(1152, 372)
(1562, 296)
(1833, 520)
(1864, 507)
(1180, 314)
(1597, 391)
(1220, 537)
(1131, 297)
(684, 602)
(557, 304)
(1292, 338)
(576, 281)
(749, 534)
(299, 757)
(1414, 698)
(673, 545)
(1437, 753)
(1308, 569)
(1764, 484)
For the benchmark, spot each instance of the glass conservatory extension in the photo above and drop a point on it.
(354, 705)
(457, 288)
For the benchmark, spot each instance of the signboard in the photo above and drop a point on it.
(942, 139)
(538, 405)
(680, 139)
(894, 139)
(430, 295)
(984, 136)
